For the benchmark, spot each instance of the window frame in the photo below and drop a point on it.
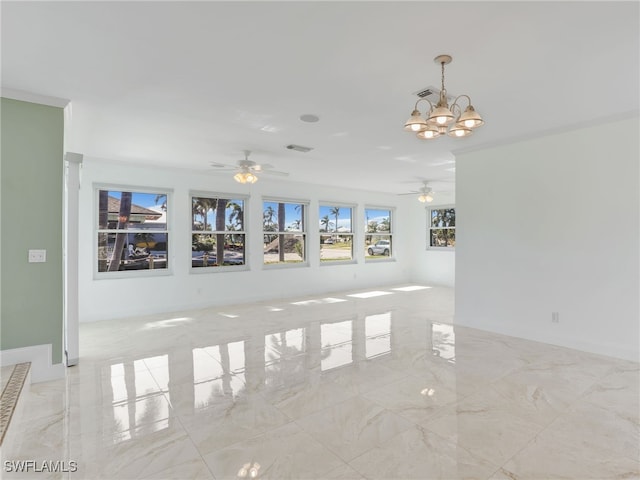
(390, 234)
(218, 195)
(351, 233)
(304, 220)
(430, 228)
(120, 274)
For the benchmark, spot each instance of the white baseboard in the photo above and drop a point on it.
(42, 369)
(631, 353)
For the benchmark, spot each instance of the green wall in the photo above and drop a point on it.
(31, 179)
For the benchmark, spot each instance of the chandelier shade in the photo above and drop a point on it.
(441, 115)
(470, 118)
(441, 118)
(459, 131)
(431, 131)
(415, 123)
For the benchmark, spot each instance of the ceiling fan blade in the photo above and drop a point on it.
(409, 193)
(217, 165)
(262, 167)
(248, 165)
(274, 172)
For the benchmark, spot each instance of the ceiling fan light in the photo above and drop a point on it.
(415, 123)
(470, 118)
(425, 198)
(251, 178)
(245, 177)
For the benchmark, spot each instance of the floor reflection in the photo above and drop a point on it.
(378, 334)
(266, 359)
(136, 404)
(221, 370)
(337, 344)
(443, 341)
(284, 360)
(377, 386)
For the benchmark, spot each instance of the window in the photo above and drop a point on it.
(218, 237)
(336, 233)
(132, 230)
(442, 228)
(378, 233)
(284, 232)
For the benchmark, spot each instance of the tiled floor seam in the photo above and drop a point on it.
(195, 446)
(243, 440)
(531, 440)
(461, 448)
(375, 446)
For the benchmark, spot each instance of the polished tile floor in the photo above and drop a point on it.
(370, 384)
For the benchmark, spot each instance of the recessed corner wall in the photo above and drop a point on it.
(429, 266)
(551, 225)
(31, 208)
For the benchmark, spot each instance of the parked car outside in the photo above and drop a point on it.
(381, 247)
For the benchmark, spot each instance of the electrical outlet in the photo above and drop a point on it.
(555, 317)
(37, 256)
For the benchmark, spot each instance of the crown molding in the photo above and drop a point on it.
(30, 97)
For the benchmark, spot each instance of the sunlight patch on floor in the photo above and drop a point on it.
(319, 301)
(374, 293)
(170, 322)
(411, 288)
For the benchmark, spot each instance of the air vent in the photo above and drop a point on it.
(432, 94)
(299, 148)
(425, 93)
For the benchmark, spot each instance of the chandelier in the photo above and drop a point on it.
(442, 119)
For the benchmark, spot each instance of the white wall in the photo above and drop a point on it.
(552, 225)
(430, 266)
(115, 298)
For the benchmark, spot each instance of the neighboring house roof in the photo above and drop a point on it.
(158, 211)
(138, 214)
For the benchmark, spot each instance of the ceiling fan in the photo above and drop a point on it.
(425, 194)
(247, 170)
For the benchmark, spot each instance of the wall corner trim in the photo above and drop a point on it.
(42, 369)
(73, 157)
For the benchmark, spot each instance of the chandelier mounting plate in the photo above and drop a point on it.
(446, 59)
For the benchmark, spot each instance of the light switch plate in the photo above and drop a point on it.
(37, 256)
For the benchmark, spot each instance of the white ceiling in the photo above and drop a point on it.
(189, 83)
